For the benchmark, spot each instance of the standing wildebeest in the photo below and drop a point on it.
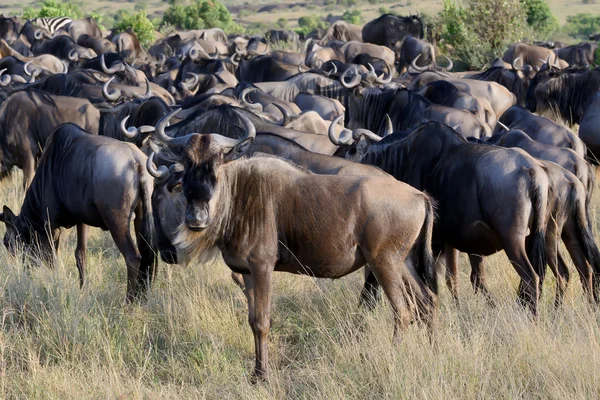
(264, 214)
(70, 188)
(589, 130)
(418, 54)
(514, 79)
(535, 56)
(389, 29)
(28, 118)
(578, 55)
(501, 205)
(341, 30)
(541, 129)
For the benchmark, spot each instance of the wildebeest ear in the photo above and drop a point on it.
(238, 150)
(362, 145)
(7, 215)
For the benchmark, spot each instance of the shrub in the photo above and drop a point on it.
(282, 23)
(138, 22)
(200, 14)
(540, 18)
(469, 34)
(309, 23)
(352, 16)
(384, 10)
(580, 26)
(54, 8)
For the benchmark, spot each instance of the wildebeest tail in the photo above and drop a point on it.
(537, 242)
(147, 235)
(425, 262)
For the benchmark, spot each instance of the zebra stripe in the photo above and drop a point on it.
(52, 24)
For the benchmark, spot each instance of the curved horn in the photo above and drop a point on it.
(115, 95)
(159, 132)
(129, 133)
(162, 59)
(114, 69)
(148, 93)
(514, 64)
(243, 98)
(450, 63)
(286, 115)
(301, 66)
(231, 59)
(195, 80)
(38, 35)
(334, 70)
(353, 83)
(388, 79)
(389, 127)
(73, 56)
(357, 133)
(414, 65)
(161, 173)
(26, 68)
(372, 70)
(65, 68)
(6, 79)
(346, 133)
(193, 53)
(503, 126)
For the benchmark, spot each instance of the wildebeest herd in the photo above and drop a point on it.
(360, 151)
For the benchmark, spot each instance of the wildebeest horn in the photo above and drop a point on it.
(159, 131)
(414, 65)
(195, 80)
(162, 59)
(389, 78)
(353, 83)
(503, 126)
(18, 79)
(334, 70)
(148, 93)
(114, 96)
(161, 173)
(389, 127)
(357, 133)
(286, 115)
(65, 68)
(372, 70)
(6, 79)
(38, 35)
(114, 69)
(243, 98)
(231, 59)
(514, 64)
(130, 132)
(26, 68)
(450, 63)
(73, 56)
(345, 137)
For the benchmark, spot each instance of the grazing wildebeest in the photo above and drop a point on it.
(541, 129)
(28, 118)
(301, 222)
(75, 173)
(342, 30)
(502, 204)
(536, 56)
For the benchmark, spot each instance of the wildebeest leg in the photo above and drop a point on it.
(144, 234)
(239, 280)
(552, 259)
(565, 275)
(81, 250)
(478, 277)
(452, 271)
(259, 316)
(126, 246)
(584, 269)
(370, 295)
(528, 293)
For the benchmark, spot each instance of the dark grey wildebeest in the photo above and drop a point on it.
(264, 214)
(489, 198)
(70, 188)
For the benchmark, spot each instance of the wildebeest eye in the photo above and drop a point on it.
(177, 188)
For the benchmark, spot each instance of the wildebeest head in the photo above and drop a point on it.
(202, 155)
(20, 235)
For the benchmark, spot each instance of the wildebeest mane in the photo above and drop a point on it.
(223, 119)
(60, 85)
(40, 95)
(507, 78)
(141, 112)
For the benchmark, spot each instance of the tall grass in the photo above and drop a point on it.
(190, 339)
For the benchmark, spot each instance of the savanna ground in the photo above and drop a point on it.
(191, 339)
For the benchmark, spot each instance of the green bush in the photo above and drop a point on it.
(139, 23)
(200, 14)
(352, 16)
(383, 10)
(540, 18)
(469, 34)
(282, 23)
(54, 8)
(580, 26)
(309, 23)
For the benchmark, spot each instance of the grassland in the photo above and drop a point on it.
(191, 339)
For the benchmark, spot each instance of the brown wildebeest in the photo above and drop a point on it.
(265, 214)
(70, 188)
(488, 197)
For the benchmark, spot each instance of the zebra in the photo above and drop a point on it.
(52, 24)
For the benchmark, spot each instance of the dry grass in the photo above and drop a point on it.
(191, 339)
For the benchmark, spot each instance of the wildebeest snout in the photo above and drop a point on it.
(197, 217)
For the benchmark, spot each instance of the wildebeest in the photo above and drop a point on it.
(28, 118)
(388, 29)
(535, 56)
(302, 222)
(541, 129)
(578, 55)
(75, 173)
(589, 130)
(342, 30)
(502, 205)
